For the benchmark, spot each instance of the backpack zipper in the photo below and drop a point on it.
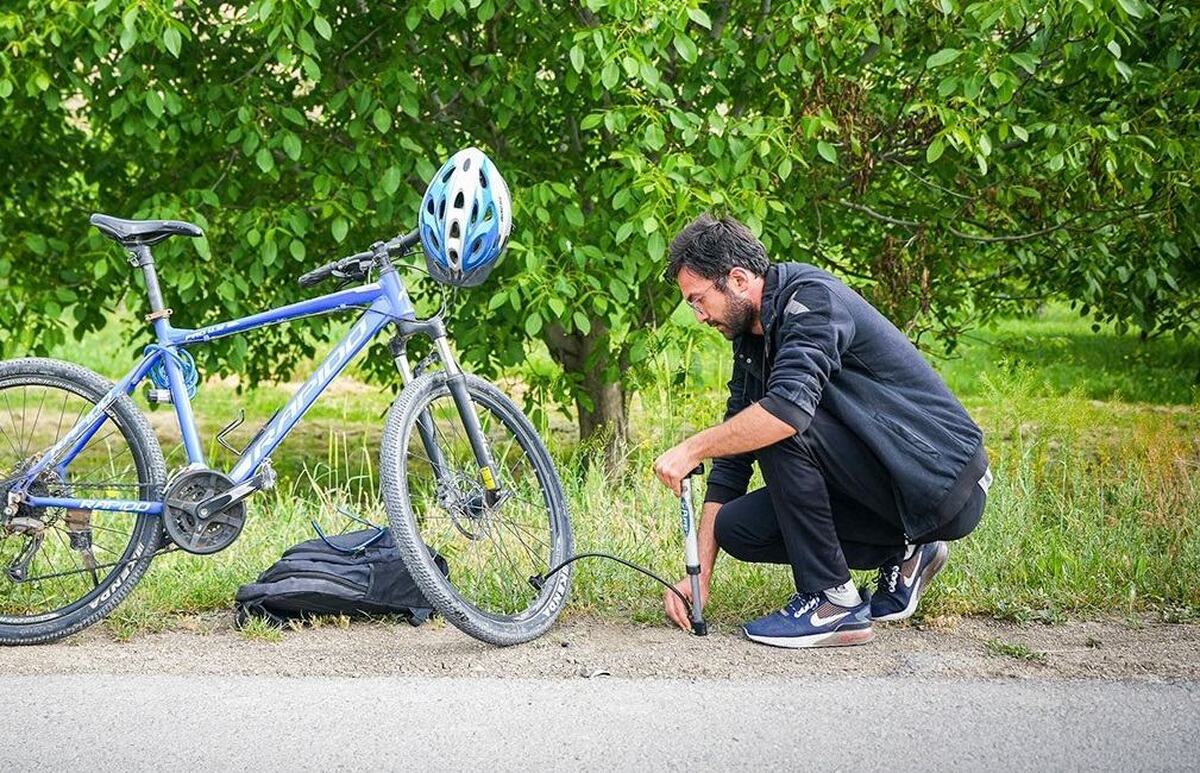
(333, 578)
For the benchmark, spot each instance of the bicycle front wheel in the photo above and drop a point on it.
(435, 501)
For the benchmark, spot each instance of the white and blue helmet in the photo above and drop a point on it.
(466, 216)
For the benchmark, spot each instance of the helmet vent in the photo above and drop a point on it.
(483, 181)
(454, 230)
(442, 209)
(475, 210)
(458, 200)
(433, 237)
(467, 164)
(449, 173)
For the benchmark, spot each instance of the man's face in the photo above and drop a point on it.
(721, 304)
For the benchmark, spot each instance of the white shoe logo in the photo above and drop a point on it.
(911, 577)
(819, 621)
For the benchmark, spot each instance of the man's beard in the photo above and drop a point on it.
(740, 317)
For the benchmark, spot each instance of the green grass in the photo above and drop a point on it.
(1095, 510)
(1068, 357)
(1002, 648)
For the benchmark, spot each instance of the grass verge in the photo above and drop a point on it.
(1095, 510)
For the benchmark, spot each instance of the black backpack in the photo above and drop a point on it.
(357, 573)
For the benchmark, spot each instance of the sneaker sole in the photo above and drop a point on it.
(845, 638)
(930, 571)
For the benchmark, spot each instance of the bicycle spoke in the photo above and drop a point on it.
(39, 414)
(12, 423)
(21, 435)
(499, 543)
(62, 414)
(517, 534)
(65, 542)
(59, 577)
(494, 551)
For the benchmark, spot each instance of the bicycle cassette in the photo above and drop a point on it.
(185, 521)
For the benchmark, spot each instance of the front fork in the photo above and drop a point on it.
(457, 383)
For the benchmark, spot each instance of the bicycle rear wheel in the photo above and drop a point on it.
(63, 570)
(435, 501)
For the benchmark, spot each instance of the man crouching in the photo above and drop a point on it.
(869, 461)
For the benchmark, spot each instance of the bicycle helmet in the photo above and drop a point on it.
(466, 215)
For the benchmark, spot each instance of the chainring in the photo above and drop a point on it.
(182, 521)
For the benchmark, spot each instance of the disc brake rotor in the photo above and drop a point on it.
(464, 499)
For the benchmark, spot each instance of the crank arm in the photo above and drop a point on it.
(213, 505)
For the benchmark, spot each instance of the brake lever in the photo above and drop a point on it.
(353, 268)
(340, 269)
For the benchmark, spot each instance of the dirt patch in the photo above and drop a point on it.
(577, 648)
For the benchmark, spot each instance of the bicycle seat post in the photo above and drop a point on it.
(141, 257)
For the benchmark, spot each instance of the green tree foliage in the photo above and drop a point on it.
(951, 160)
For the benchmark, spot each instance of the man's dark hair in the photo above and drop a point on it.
(711, 248)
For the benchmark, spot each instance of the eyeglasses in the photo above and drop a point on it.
(695, 304)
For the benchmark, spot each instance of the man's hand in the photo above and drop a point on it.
(676, 610)
(674, 465)
(750, 430)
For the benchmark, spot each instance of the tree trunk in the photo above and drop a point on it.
(608, 419)
(605, 421)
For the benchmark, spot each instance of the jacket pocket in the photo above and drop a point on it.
(911, 437)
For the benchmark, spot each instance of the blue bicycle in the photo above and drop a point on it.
(88, 501)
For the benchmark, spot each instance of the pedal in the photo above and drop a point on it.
(266, 475)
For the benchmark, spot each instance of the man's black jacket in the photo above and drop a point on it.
(823, 344)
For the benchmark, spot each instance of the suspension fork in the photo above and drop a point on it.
(399, 347)
(457, 383)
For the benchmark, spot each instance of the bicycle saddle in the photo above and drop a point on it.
(130, 233)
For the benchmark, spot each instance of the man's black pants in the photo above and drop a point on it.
(827, 507)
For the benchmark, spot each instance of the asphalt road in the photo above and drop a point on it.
(97, 722)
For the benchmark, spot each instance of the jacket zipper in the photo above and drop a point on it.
(766, 356)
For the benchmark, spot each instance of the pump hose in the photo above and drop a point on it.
(537, 581)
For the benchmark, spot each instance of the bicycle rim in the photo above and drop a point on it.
(491, 550)
(65, 559)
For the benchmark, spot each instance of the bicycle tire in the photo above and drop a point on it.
(145, 535)
(503, 629)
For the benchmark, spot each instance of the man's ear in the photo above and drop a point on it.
(739, 278)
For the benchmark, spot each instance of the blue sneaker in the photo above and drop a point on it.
(812, 620)
(900, 585)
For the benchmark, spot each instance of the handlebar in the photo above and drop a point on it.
(336, 268)
(356, 265)
(403, 243)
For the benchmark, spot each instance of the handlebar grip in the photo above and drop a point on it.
(404, 242)
(698, 471)
(317, 275)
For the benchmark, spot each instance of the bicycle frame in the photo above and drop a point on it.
(386, 300)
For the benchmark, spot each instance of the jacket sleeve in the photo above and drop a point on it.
(730, 475)
(815, 330)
